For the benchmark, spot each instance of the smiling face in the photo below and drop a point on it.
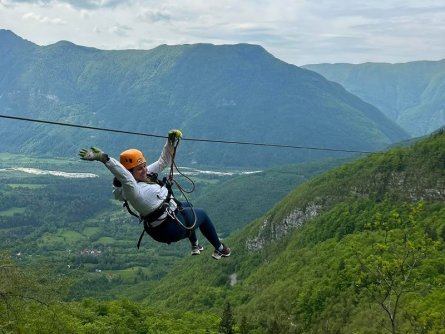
(140, 172)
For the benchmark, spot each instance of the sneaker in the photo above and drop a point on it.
(225, 252)
(197, 249)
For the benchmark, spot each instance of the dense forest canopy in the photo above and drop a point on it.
(358, 248)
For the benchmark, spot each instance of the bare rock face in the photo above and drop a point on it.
(270, 231)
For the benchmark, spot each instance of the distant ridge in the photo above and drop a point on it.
(229, 92)
(411, 94)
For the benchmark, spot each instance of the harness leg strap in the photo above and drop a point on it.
(140, 238)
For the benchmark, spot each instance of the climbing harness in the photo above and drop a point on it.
(149, 220)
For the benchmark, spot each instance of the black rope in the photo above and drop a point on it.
(180, 188)
(187, 139)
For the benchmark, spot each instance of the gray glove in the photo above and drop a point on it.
(93, 154)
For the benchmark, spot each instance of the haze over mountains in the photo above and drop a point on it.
(232, 92)
(411, 94)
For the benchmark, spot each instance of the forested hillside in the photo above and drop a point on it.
(60, 211)
(411, 94)
(244, 198)
(357, 249)
(229, 92)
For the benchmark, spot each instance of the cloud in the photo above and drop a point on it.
(298, 32)
(42, 19)
(154, 15)
(120, 30)
(95, 4)
(79, 4)
(393, 12)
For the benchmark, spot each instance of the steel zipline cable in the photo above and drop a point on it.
(186, 139)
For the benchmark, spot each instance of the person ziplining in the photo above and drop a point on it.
(165, 219)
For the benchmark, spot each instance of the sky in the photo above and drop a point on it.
(298, 32)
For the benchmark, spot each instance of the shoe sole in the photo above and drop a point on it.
(197, 251)
(219, 256)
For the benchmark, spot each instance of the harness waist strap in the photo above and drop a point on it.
(152, 219)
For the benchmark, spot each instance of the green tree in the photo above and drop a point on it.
(244, 326)
(227, 324)
(391, 270)
(26, 297)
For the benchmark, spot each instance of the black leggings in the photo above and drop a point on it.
(171, 231)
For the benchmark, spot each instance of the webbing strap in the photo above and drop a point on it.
(131, 212)
(145, 230)
(140, 238)
(151, 218)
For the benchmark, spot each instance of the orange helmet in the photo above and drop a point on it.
(131, 158)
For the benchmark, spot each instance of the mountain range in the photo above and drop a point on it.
(359, 248)
(411, 94)
(235, 93)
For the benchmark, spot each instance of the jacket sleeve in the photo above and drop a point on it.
(121, 173)
(164, 160)
(118, 194)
